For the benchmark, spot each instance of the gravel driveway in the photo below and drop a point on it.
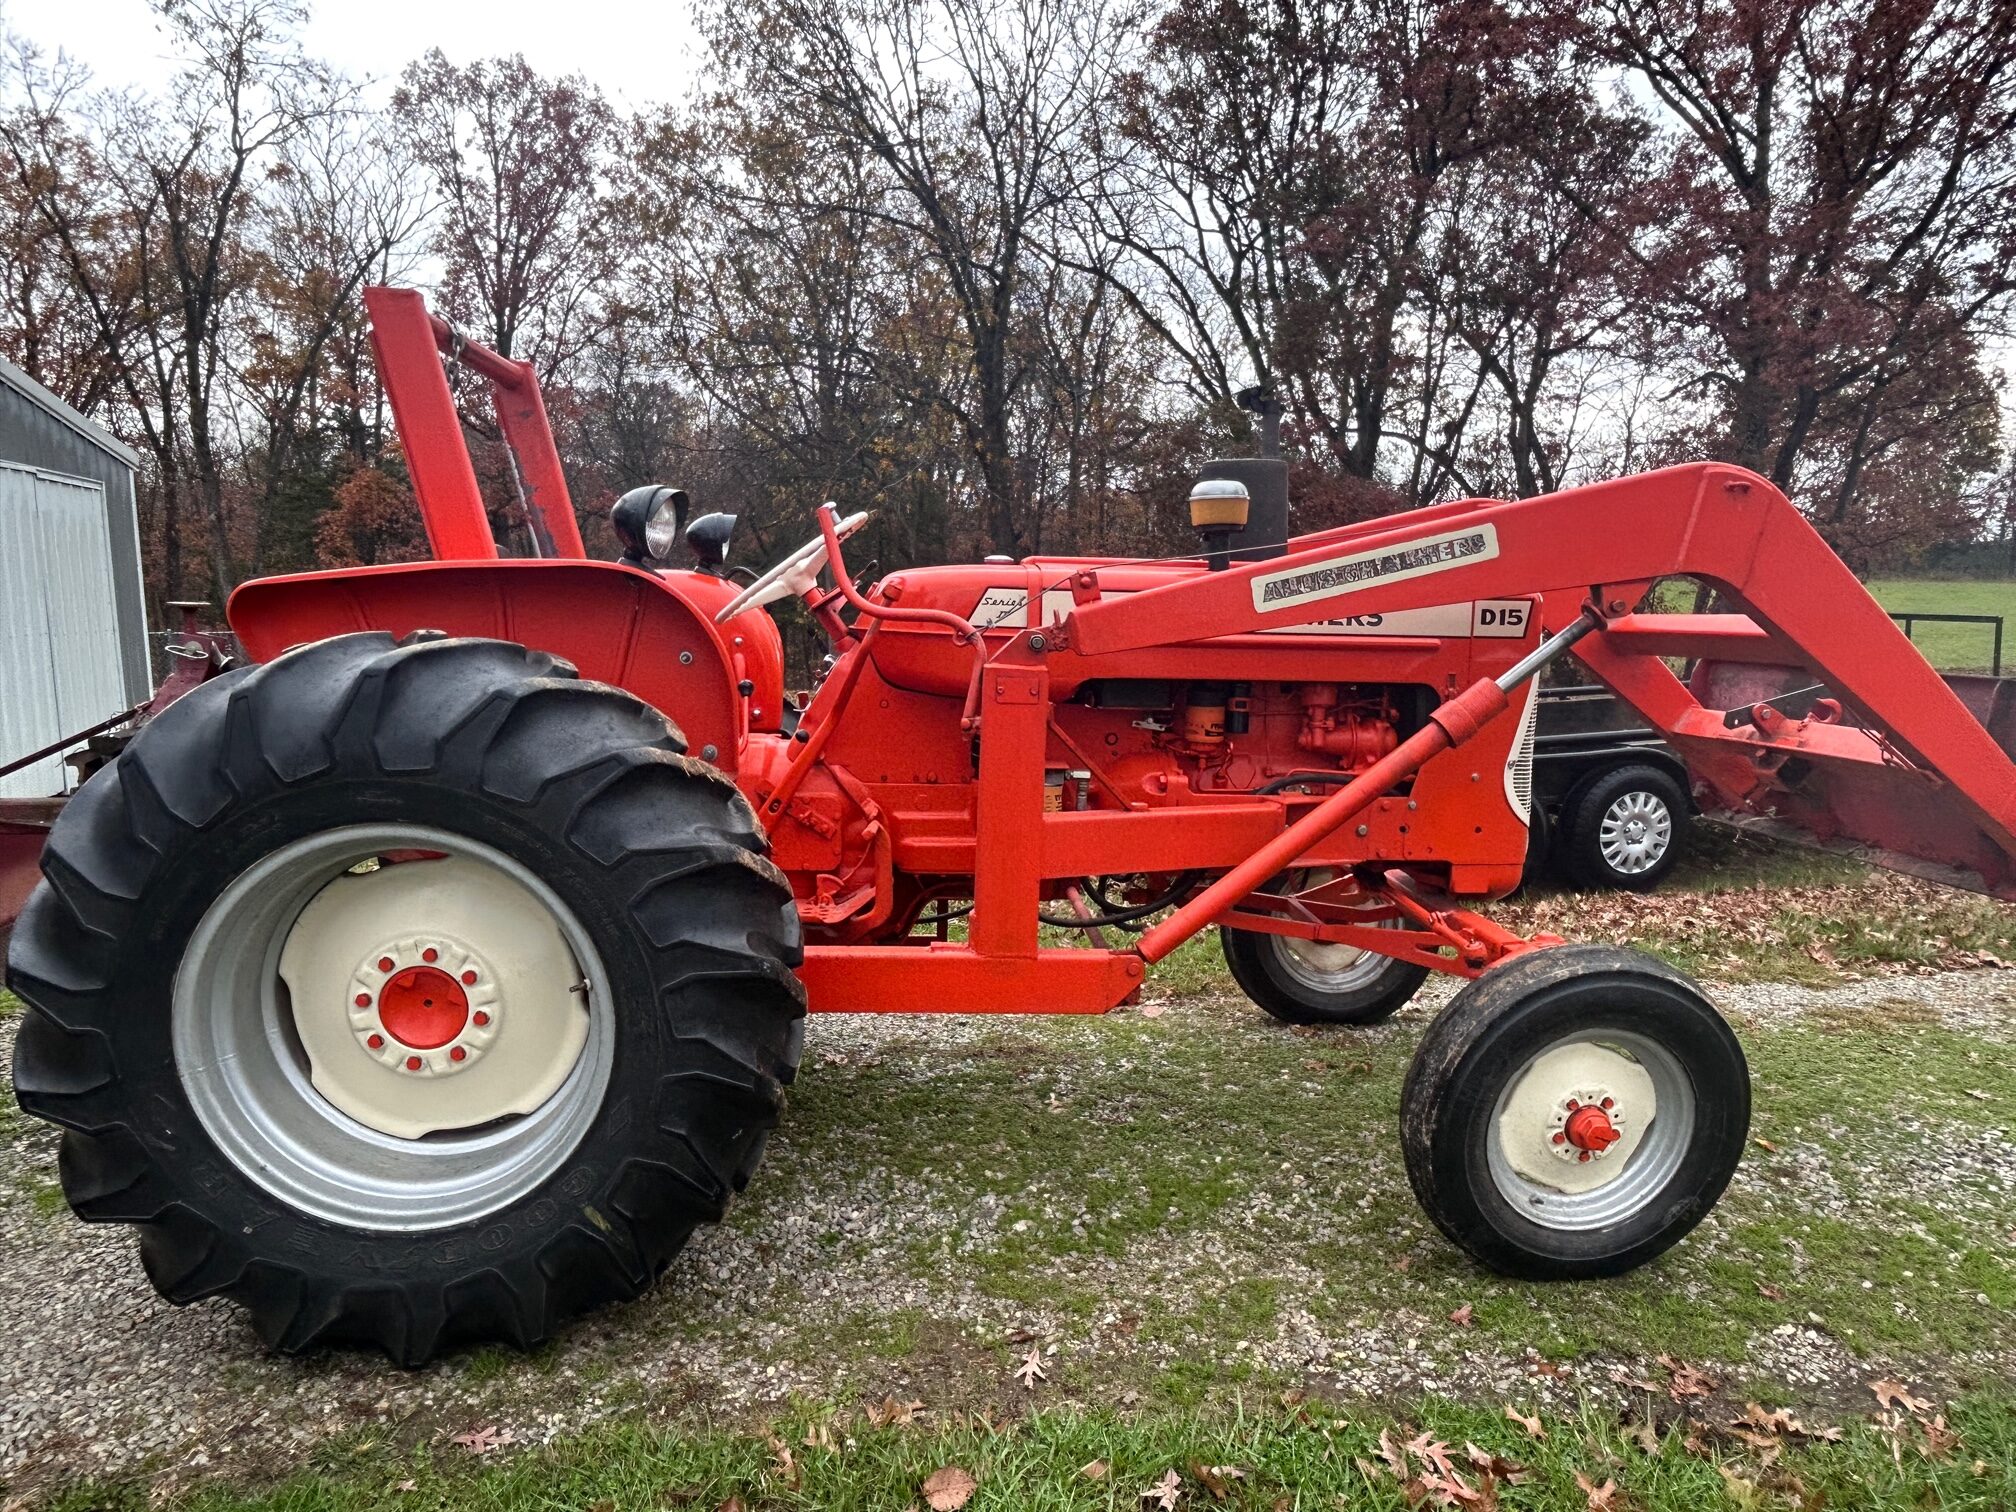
(948, 1194)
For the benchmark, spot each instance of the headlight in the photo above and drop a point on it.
(647, 521)
(661, 531)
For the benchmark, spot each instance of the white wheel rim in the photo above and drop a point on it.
(522, 1020)
(273, 1049)
(1636, 832)
(1563, 1173)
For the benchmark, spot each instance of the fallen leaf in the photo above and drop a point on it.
(1462, 1316)
(1432, 1452)
(1779, 1420)
(1031, 1370)
(1530, 1424)
(1646, 1437)
(1155, 1010)
(1447, 1491)
(1894, 1394)
(405, 1486)
(890, 1413)
(483, 1440)
(1600, 1497)
(1094, 1470)
(949, 1488)
(1766, 1290)
(1764, 1144)
(1163, 1494)
(1390, 1452)
(786, 1462)
(1496, 1466)
(1687, 1381)
(1763, 1443)
(733, 1504)
(1940, 1441)
(1217, 1479)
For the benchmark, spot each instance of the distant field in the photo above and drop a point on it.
(1953, 648)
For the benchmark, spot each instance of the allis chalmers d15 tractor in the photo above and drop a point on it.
(431, 978)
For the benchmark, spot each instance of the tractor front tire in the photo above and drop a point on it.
(408, 994)
(1574, 1112)
(1303, 982)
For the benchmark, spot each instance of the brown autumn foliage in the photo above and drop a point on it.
(1001, 271)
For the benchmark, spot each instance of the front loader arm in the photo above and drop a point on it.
(1884, 754)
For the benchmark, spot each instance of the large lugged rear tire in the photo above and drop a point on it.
(408, 995)
(1574, 1112)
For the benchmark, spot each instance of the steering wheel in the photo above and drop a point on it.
(797, 573)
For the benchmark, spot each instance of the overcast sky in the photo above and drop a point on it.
(639, 51)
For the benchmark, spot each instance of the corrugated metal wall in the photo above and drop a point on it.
(38, 430)
(59, 619)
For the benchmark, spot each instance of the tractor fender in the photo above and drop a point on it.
(651, 634)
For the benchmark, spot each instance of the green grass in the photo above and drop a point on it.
(1203, 1172)
(1258, 1457)
(1952, 648)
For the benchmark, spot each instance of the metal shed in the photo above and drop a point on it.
(73, 620)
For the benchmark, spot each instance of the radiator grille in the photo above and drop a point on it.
(1519, 766)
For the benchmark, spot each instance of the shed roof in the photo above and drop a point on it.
(12, 378)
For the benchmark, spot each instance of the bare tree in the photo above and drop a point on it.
(976, 114)
(518, 162)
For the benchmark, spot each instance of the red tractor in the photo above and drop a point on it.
(430, 978)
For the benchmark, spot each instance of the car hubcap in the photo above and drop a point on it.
(393, 1042)
(1591, 1129)
(1636, 832)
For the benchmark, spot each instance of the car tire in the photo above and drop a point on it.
(1623, 828)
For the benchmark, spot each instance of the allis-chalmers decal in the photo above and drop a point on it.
(1436, 553)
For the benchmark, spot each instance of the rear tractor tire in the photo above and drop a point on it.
(409, 995)
(1574, 1112)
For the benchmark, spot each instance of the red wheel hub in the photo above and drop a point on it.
(423, 1007)
(1589, 1128)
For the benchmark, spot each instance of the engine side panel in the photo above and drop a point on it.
(1159, 758)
